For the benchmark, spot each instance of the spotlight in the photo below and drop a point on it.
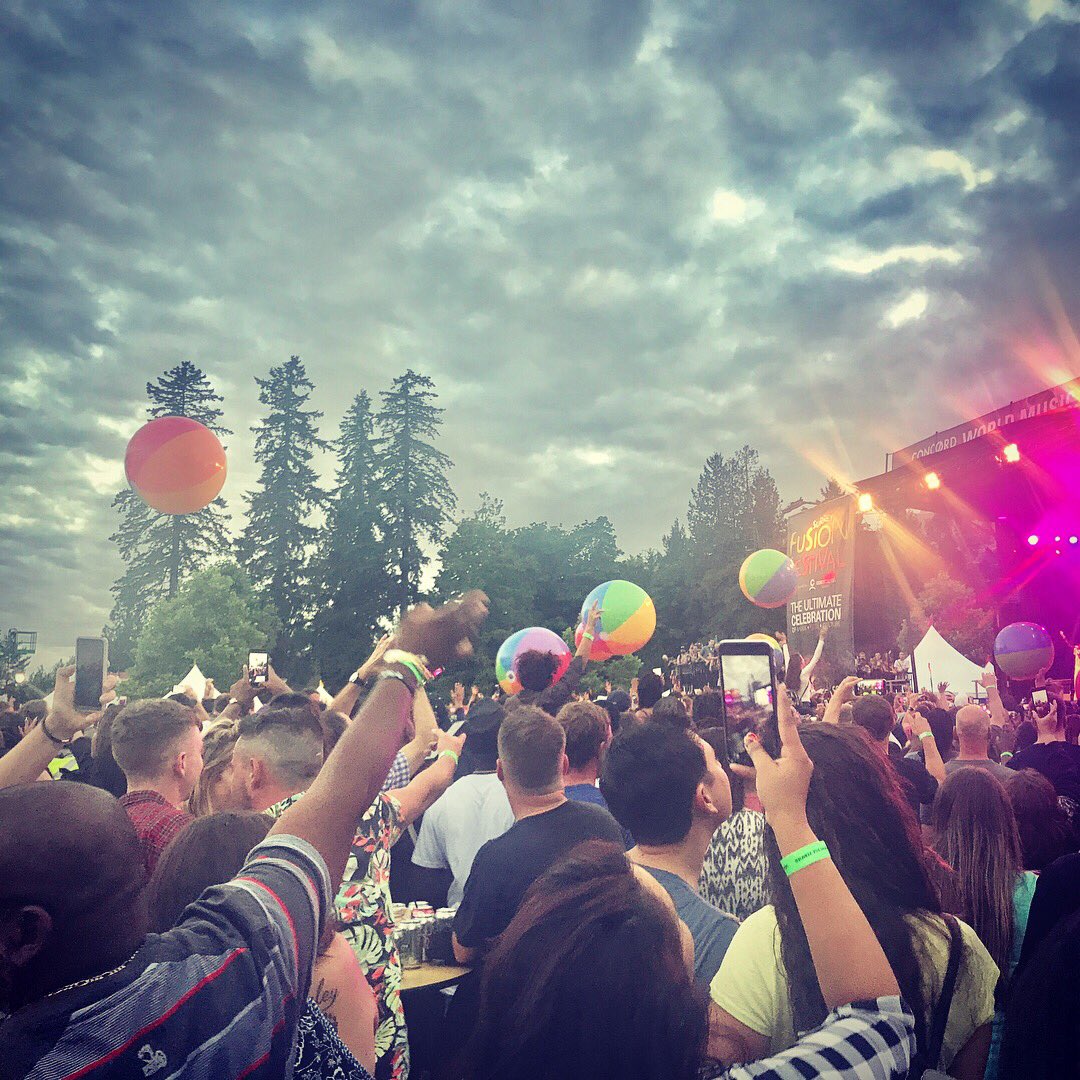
(1033, 539)
(1057, 539)
(866, 503)
(1073, 539)
(933, 481)
(1011, 453)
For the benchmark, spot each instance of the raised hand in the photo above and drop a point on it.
(457, 697)
(782, 783)
(64, 720)
(377, 653)
(442, 635)
(846, 690)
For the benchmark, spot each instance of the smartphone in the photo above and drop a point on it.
(1040, 701)
(870, 686)
(748, 693)
(91, 663)
(258, 668)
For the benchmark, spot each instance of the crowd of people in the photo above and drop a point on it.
(865, 886)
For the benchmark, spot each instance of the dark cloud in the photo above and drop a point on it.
(619, 235)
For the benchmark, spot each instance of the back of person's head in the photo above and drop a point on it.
(536, 669)
(650, 689)
(974, 831)
(589, 980)
(972, 725)
(587, 732)
(847, 716)
(35, 710)
(941, 727)
(148, 737)
(277, 750)
(708, 710)
(208, 852)
(650, 779)
(1026, 736)
(1041, 823)
(334, 724)
(874, 715)
(716, 737)
(182, 699)
(72, 888)
(221, 703)
(671, 710)
(532, 745)
(616, 703)
(855, 805)
(213, 789)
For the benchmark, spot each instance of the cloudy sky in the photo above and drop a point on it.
(618, 234)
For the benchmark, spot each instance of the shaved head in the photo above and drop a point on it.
(973, 723)
(71, 884)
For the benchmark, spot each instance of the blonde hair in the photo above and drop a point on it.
(219, 739)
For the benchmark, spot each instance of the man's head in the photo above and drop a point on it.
(588, 731)
(278, 753)
(650, 689)
(532, 752)
(536, 669)
(71, 888)
(671, 710)
(660, 781)
(481, 752)
(973, 728)
(874, 715)
(158, 746)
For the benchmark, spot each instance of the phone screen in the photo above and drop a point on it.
(1039, 697)
(258, 668)
(749, 690)
(870, 686)
(90, 666)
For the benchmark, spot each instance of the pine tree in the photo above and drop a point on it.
(279, 542)
(417, 498)
(353, 562)
(160, 550)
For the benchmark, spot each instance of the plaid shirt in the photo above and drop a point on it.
(867, 1040)
(156, 821)
(398, 776)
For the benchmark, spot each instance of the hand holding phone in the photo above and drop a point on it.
(258, 668)
(748, 694)
(91, 664)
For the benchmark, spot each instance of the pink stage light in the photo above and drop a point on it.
(1011, 453)
(1033, 539)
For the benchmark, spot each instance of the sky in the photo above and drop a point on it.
(619, 236)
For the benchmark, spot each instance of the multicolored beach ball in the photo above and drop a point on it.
(627, 619)
(1023, 649)
(175, 464)
(768, 578)
(537, 638)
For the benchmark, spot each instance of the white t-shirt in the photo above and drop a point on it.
(472, 811)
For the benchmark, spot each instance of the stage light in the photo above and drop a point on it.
(1033, 539)
(1073, 539)
(866, 503)
(1057, 539)
(1011, 453)
(933, 481)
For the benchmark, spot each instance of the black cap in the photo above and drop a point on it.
(481, 729)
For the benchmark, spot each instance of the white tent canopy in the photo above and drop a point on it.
(936, 662)
(195, 679)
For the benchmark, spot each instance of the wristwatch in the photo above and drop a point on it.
(357, 679)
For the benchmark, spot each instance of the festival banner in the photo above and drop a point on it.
(821, 543)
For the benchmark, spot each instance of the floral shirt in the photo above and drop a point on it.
(363, 909)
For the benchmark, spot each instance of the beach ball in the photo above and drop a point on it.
(599, 651)
(768, 578)
(627, 618)
(537, 638)
(175, 464)
(1023, 649)
(778, 653)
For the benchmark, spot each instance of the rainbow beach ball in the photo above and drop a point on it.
(627, 618)
(768, 578)
(175, 464)
(1023, 649)
(778, 653)
(538, 638)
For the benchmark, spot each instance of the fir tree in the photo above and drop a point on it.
(279, 541)
(354, 562)
(159, 550)
(417, 498)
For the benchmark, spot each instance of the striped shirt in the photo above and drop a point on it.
(218, 996)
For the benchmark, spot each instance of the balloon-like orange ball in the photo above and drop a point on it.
(175, 464)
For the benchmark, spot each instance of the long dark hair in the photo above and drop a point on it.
(855, 805)
(588, 981)
(974, 831)
(1042, 824)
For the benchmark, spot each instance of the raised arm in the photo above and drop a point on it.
(844, 693)
(584, 650)
(353, 774)
(998, 713)
(345, 700)
(808, 667)
(920, 728)
(424, 789)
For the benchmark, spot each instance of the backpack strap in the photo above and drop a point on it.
(939, 1018)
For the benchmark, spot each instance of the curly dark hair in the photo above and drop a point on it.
(536, 669)
(856, 806)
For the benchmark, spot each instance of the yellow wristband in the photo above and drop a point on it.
(926, 735)
(450, 754)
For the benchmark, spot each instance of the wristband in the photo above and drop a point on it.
(1006, 754)
(450, 754)
(587, 636)
(397, 677)
(51, 737)
(411, 661)
(804, 857)
(925, 735)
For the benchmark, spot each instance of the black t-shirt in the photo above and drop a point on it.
(1059, 762)
(918, 786)
(505, 867)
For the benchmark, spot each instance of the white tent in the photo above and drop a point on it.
(936, 662)
(195, 679)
